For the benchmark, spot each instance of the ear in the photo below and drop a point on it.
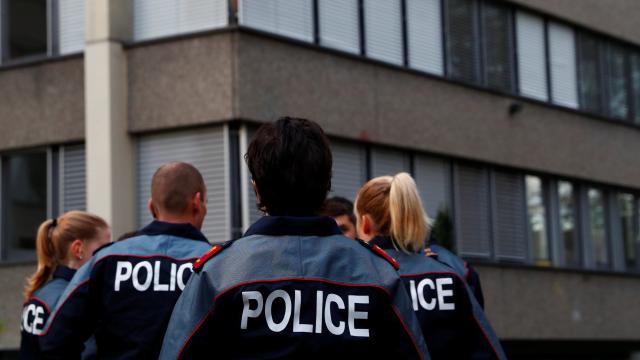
(76, 250)
(366, 225)
(197, 201)
(255, 190)
(152, 209)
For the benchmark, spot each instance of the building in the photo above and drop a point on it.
(519, 119)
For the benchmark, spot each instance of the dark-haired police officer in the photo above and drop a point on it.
(126, 293)
(293, 286)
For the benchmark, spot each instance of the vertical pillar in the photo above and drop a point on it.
(109, 147)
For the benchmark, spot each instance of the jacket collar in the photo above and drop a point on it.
(63, 272)
(185, 230)
(384, 242)
(289, 225)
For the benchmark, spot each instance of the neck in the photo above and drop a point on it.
(177, 219)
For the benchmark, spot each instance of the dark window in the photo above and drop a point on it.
(626, 208)
(462, 54)
(598, 228)
(497, 47)
(26, 28)
(635, 86)
(24, 203)
(617, 101)
(536, 212)
(568, 224)
(589, 73)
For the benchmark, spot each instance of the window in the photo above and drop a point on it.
(616, 60)
(562, 62)
(349, 171)
(635, 86)
(597, 228)
(461, 47)
(536, 212)
(568, 224)
(424, 35)
(589, 73)
(24, 203)
(291, 18)
(472, 211)
(26, 27)
(629, 230)
(532, 68)
(339, 25)
(497, 47)
(508, 219)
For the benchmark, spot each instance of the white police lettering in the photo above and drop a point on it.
(438, 301)
(32, 319)
(147, 275)
(325, 308)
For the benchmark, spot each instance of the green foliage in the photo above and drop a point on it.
(443, 229)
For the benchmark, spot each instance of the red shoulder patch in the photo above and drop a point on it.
(197, 265)
(385, 256)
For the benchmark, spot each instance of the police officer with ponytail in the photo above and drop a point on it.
(390, 216)
(63, 245)
(125, 294)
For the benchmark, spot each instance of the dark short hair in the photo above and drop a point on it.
(290, 163)
(173, 186)
(338, 206)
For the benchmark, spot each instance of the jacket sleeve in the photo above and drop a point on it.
(73, 321)
(485, 342)
(190, 311)
(473, 280)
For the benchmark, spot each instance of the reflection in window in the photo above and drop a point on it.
(617, 82)
(496, 41)
(24, 197)
(597, 228)
(27, 28)
(589, 74)
(568, 223)
(460, 37)
(537, 221)
(635, 85)
(626, 213)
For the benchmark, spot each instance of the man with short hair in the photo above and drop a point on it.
(126, 292)
(293, 286)
(341, 210)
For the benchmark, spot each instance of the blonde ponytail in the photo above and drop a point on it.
(409, 222)
(53, 241)
(394, 205)
(46, 258)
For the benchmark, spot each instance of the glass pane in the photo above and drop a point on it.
(635, 85)
(27, 28)
(589, 74)
(537, 221)
(568, 229)
(626, 213)
(24, 197)
(617, 82)
(496, 30)
(597, 226)
(461, 54)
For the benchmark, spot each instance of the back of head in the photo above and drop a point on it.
(339, 206)
(173, 186)
(53, 241)
(394, 205)
(290, 163)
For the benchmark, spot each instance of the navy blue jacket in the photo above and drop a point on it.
(297, 288)
(462, 268)
(453, 323)
(125, 294)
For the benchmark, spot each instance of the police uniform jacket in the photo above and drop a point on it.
(462, 268)
(294, 287)
(453, 323)
(125, 294)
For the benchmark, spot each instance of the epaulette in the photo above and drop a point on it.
(430, 253)
(383, 254)
(216, 249)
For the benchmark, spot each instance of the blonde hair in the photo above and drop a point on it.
(53, 240)
(394, 205)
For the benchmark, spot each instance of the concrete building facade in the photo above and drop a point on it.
(519, 120)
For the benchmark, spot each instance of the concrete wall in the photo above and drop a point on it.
(618, 18)
(356, 99)
(42, 104)
(539, 304)
(178, 83)
(12, 281)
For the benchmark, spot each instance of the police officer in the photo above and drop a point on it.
(341, 210)
(390, 215)
(63, 245)
(293, 286)
(125, 294)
